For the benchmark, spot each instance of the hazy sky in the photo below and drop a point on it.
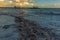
(45, 3)
(48, 3)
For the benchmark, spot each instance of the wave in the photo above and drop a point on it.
(48, 13)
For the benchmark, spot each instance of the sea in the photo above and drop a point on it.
(46, 17)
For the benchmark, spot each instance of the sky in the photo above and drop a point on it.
(48, 3)
(45, 3)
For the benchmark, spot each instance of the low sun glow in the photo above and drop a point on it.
(21, 4)
(32, 4)
(1, 0)
(26, 3)
(10, 1)
(18, 3)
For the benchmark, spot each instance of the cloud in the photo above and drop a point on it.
(1, 0)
